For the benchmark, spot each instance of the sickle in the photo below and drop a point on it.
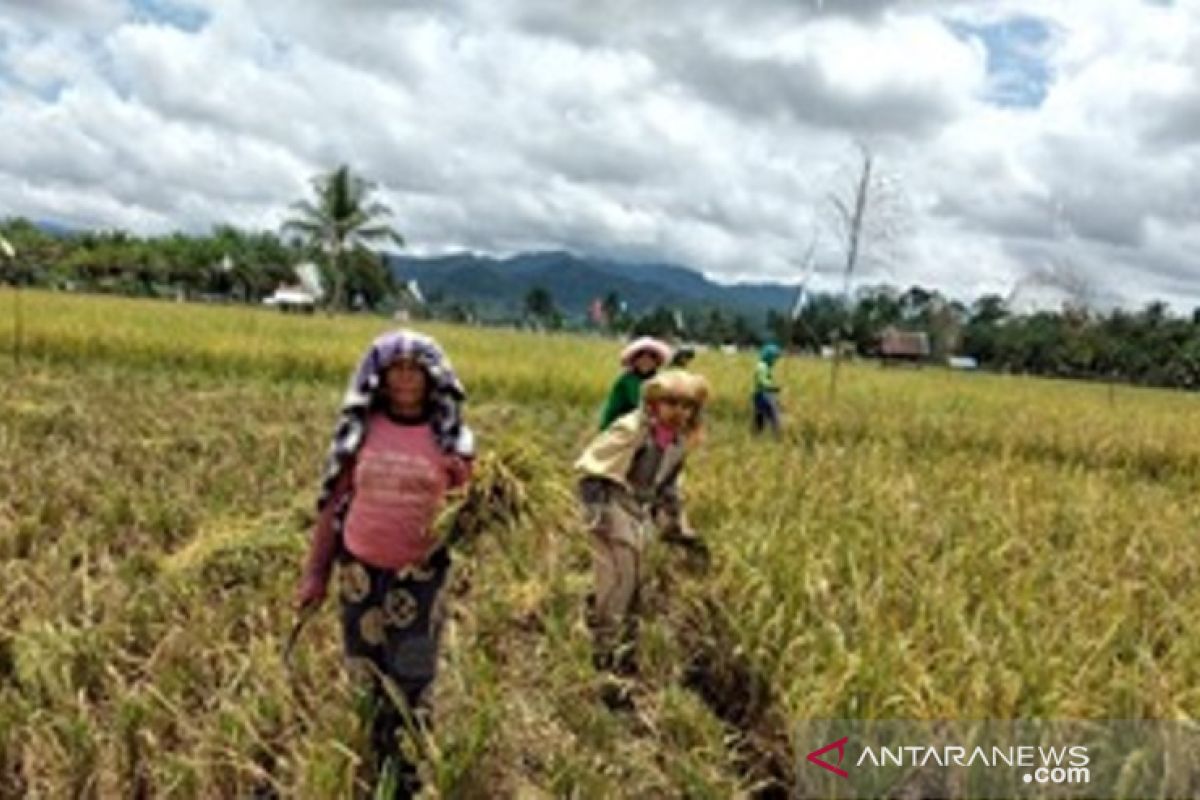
(302, 618)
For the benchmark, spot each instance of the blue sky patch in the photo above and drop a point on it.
(182, 15)
(1018, 76)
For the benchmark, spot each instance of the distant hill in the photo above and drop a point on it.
(55, 228)
(497, 287)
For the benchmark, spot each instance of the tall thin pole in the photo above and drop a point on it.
(18, 324)
(856, 222)
(10, 255)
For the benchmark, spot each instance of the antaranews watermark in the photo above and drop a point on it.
(998, 759)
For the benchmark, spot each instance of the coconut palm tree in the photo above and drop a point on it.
(341, 218)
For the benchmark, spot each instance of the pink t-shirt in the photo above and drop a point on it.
(400, 479)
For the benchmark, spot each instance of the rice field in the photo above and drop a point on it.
(927, 545)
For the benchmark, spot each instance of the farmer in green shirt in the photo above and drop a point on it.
(640, 360)
(766, 391)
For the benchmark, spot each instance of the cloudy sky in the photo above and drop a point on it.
(1011, 137)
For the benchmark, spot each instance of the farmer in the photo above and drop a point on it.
(766, 391)
(400, 445)
(683, 357)
(640, 361)
(630, 473)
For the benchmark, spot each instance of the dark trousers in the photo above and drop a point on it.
(766, 412)
(391, 625)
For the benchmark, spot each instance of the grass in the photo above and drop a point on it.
(933, 545)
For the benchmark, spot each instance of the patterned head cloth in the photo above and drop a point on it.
(446, 397)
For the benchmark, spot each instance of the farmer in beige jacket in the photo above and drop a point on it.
(629, 477)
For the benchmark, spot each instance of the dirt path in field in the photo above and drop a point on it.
(738, 695)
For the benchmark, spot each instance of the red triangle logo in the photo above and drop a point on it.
(840, 746)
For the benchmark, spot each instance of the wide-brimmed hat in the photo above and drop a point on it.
(646, 344)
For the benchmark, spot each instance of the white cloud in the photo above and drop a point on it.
(86, 15)
(705, 132)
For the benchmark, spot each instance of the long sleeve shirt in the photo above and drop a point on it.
(624, 397)
(644, 473)
(764, 380)
(396, 486)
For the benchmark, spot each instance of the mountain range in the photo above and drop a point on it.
(498, 287)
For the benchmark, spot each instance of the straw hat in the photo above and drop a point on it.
(646, 344)
(677, 383)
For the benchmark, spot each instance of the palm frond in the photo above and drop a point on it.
(342, 213)
(380, 233)
(303, 227)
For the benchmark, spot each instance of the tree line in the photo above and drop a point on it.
(337, 228)
(334, 230)
(1149, 346)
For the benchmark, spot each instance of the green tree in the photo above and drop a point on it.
(876, 308)
(616, 312)
(37, 252)
(540, 307)
(369, 281)
(715, 328)
(823, 318)
(342, 218)
(659, 323)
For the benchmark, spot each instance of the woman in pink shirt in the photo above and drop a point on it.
(399, 447)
